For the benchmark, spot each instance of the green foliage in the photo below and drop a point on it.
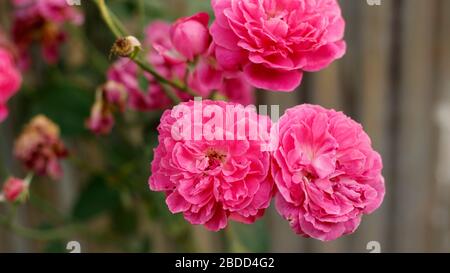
(96, 199)
(65, 104)
(253, 238)
(57, 246)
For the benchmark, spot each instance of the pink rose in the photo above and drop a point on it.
(274, 41)
(10, 80)
(212, 181)
(326, 172)
(190, 35)
(42, 21)
(14, 188)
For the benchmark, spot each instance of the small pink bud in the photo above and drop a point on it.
(109, 97)
(190, 36)
(14, 188)
(115, 94)
(101, 120)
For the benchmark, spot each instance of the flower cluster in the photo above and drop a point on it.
(40, 148)
(264, 44)
(41, 21)
(216, 160)
(181, 52)
(325, 171)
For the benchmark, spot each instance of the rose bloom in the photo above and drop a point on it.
(212, 181)
(10, 80)
(42, 21)
(326, 172)
(40, 148)
(274, 41)
(13, 189)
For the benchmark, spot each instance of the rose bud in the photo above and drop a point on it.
(14, 189)
(101, 120)
(115, 94)
(126, 47)
(190, 36)
(109, 97)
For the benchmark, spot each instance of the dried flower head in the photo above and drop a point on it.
(40, 148)
(126, 47)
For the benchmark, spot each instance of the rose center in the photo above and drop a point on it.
(215, 159)
(275, 14)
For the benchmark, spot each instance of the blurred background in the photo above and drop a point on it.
(394, 79)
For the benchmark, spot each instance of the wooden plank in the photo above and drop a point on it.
(373, 107)
(415, 159)
(439, 230)
(206, 241)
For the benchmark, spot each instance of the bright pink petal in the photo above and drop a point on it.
(270, 79)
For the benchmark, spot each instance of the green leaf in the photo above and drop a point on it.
(124, 220)
(55, 247)
(95, 199)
